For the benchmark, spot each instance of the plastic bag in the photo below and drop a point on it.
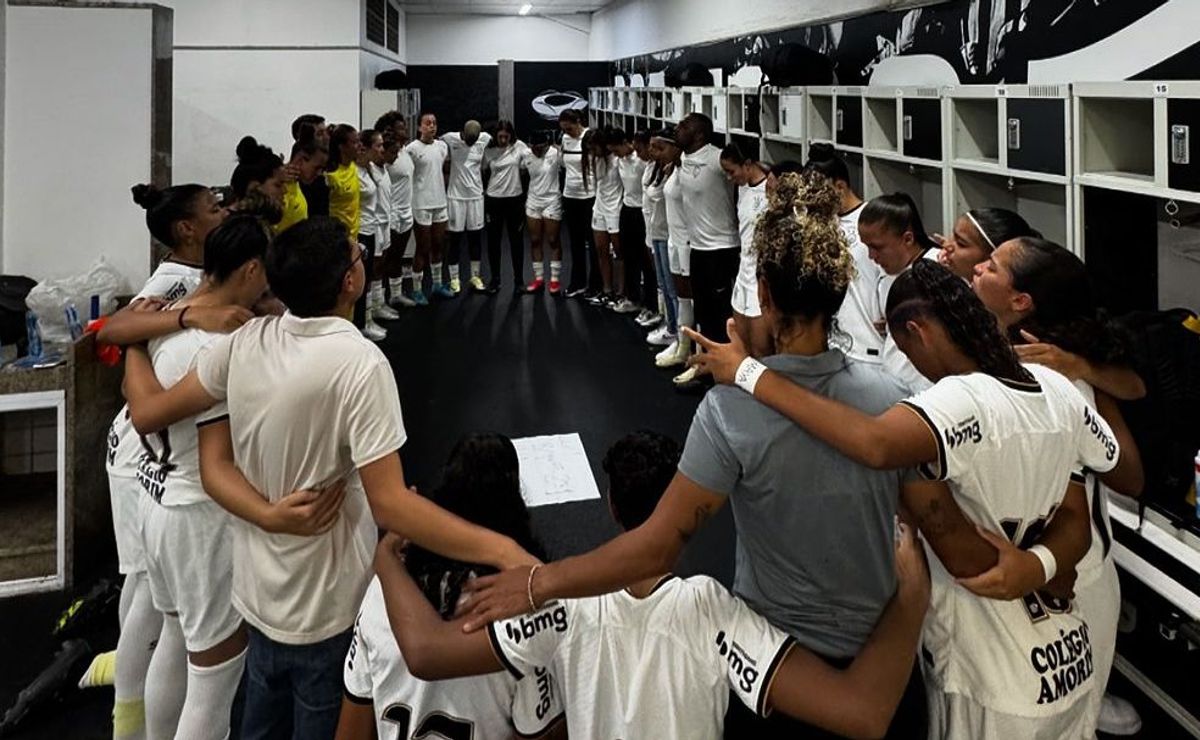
(48, 299)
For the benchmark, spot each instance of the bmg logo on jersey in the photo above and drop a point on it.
(963, 432)
(528, 627)
(741, 664)
(1093, 426)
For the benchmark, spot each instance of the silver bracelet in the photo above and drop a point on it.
(748, 374)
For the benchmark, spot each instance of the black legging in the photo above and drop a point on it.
(577, 212)
(641, 284)
(474, 242)
(713, 273)
(360, 306)
(506, 214)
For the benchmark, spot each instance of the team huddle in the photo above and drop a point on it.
(917, 437)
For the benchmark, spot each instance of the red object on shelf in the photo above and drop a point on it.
(107, 354)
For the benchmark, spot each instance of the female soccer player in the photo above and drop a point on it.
(544, 213)
(308, 160)
(600, 170)
(750, 177)
(503, 202)
(342, 177)
(976, 235)
(578, 197)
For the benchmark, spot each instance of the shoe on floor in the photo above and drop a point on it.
(671, 356)
(385, 312)
(535, 286)
(442, 291)
(374, 332)
(1118, 717)
(403, 301)
(687, 376)
(595, 299)
(647, 319)
(555, 288)
(455, 286)
(493, 288)
(610, 301)
(661, 337)
(477, 285)
(625, 306)
(419, 299)
(101, 672)
(578, 293)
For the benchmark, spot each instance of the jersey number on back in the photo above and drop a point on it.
(1039, 605)
(433, 725)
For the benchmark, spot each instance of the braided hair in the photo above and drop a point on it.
(929, 290)
(1065, 310)
(802, 254)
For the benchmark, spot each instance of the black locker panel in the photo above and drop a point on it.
(849, 112)
(1041, 135)
(1183, 156)
(926, 131)
(1119, 243)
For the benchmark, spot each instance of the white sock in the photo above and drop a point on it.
(406, 272)
(475, 269)
(454, 272)
(687, 313)
(438, 278)
(662, 303)
(555, 270)
(377, 293)
(539, 270)
(210, 692)
(135, 647)
(396, 286)
(166, 681)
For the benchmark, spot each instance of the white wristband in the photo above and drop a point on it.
(1049, 564)
(748, 374)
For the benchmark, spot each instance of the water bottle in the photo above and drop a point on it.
(34, 334)
(95, 312)
(73, 324)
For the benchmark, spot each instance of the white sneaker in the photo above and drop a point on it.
(686, 376)
(399, 299)
(1118, 717)
(661, 337)
(385, 312)
(652, 319)
(625, 306)
(374, 332)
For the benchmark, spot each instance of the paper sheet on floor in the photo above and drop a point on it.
(555, 470)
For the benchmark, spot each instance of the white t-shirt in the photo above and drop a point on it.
(368, 201)
(487, 707)
(505, 167)
(429, 182)
(677, 210)
(856, 318)
(383, 199)
(1090, 567)
(543, 177)
(172, 281)
(891, 357)
(572, 162)
(466, 166)
(309, 401)
(654, 208)
(658, 667)
(1008, 451)
(169, 469)
(632, 168)
(400, 174)
(606, 176)
(710, 196)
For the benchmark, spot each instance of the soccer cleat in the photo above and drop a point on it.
(442, 291)
(536, 286)
(419, 299)
(374, 332)
(385, 312)
(455, 286)
(625, 306)
(661, 337)
(555, 288)
(477, 285)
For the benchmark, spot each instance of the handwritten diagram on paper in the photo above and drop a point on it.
(555, 470)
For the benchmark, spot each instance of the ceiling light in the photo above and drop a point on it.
(525, 9)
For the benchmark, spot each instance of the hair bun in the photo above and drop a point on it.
(247, 148)
(145, 195)
(812, 192)
(820, 152)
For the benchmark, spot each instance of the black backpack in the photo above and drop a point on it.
(793, 65)
(1166, 423)
(13, 289)
(692, 75)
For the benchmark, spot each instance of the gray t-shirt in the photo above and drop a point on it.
(814, 529)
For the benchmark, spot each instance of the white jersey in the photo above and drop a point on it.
(632, 168)
(466, 166)
(1091, 567)
(861, 310)
(543, 177)
(368, 202)
(751, 202)
(400, 174)
(677, 211)
(487, 707)
(606, 176)
(172, 281)
(505, 167)
(658, 667)
(572, 160)
(383, 202)
(169, 468)
(429, 181)
(654, 208)
(710, 196)
(1008, 451)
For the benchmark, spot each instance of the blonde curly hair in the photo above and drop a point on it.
(802, 254)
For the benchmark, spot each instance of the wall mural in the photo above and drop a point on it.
(963, 41)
